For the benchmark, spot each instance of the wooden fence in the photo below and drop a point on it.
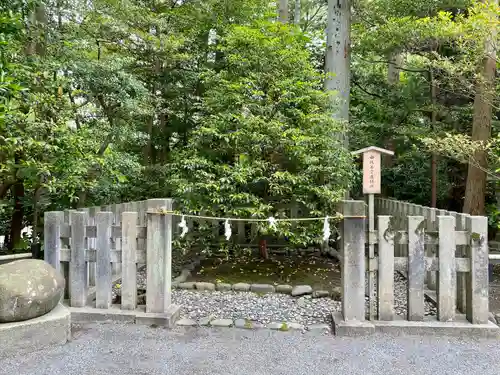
(95, 246)
(401, 210)
(402, 244)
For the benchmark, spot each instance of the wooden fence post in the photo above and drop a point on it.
(52, 238)
(416, 268)
(158, 284)
(129, 260)
(385, 269)
(477, 283)
(104, 221)
(77, 266)
(353, 260)
(462, 251)
(447, 274)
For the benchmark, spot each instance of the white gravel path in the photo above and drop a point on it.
(114, 349)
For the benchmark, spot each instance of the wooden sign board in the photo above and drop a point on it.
(371, 173)
(371, 168)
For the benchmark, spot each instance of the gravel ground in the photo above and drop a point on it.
(263, 309)
(267, 308)
(140, 350)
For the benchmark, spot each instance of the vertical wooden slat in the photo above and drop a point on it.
(353, 260)
(432, 225)
(155, 254)
(371, 256)
(104, 221)
(447, 275)
(92, 244)
(416, 268)
(78, 266)
(167, 281)
(385, 269)
(52, 238)
(117, 210)
(129, 260)
(462, 276)
(477, 283)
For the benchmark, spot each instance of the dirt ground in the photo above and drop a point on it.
(319, 272)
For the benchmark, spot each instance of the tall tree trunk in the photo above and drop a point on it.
(283, 11)
(434, 186)
(475, 189)
(296, 13)
(393, 79)
(16, 222)
(337, 59)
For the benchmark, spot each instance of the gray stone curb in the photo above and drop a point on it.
(252, 325)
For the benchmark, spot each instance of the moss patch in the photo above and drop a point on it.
(319, 272)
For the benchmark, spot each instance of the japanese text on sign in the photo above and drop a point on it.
(371, 172)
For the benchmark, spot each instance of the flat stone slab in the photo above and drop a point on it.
(319, 328)
(51, 329)
(185, 322)
(205, 321)
(247, 324)
(320, 294)
(221, 323)
(285, 289)
(262, 288)
(223, 287)
(188, 285)
(205, 286)
(241, 287)
(279, 326)
(301, 290)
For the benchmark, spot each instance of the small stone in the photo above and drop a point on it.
(221, 323)
(223, 287)
(205, 286)
(336, 293)
(141, 299)
(283, 326)
(241, 287)
(188, 285)
(293, 325)
(186, 322)
(301, 290)
(262, 288)
(276, 325)
(318, 328)
(205, 321)
(243, 323)
(190, 267)
(285, 289)
(320, 294)
(179, 279)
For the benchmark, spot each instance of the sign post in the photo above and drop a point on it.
(372, 185)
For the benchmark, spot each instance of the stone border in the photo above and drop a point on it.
(429, 327)
(252, 325)
(51, 329)
(296, 291)
(117, 315)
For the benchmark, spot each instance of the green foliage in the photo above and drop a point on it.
(267, 139)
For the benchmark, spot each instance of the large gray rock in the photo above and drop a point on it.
(301, 290)
(29, 288)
